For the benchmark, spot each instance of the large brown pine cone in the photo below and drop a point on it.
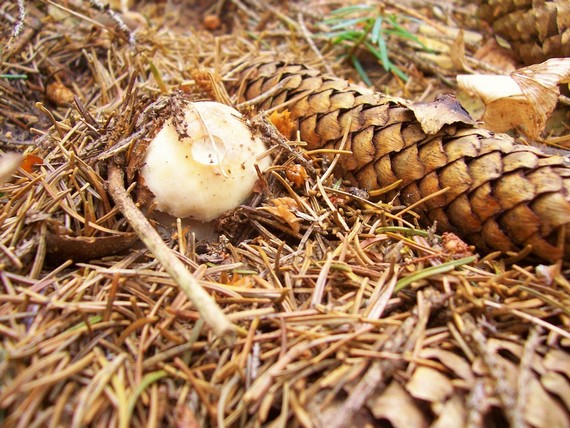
(502, 196)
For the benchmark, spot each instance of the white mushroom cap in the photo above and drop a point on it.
(211, 171)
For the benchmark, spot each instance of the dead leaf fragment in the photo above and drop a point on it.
(558, 385)
(523, 100)
(457, 53)
(444, 110)
(9, 164)
(540, 82)
(283, 122)
(283, 209)
(398, 407)
(558, 361)
(458, 365)
(452, 414)
(499, 57)
(430, 385)
(542, 410)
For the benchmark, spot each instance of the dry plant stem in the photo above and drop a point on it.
(209, 310)
(22, 16)
(104, 8)
(309, 38)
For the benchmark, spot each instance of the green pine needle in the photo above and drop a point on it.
(431, 271)
(14, 76)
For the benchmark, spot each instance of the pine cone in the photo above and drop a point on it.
(536, 29)
(502, 196)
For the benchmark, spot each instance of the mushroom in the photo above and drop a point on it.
(209, 168)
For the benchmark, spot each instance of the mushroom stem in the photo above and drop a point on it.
(206, 306)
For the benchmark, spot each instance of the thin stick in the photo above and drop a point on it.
(209, 310)
(309, 38)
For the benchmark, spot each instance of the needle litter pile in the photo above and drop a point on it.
(324, 299)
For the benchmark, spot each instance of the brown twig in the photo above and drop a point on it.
(210, 311)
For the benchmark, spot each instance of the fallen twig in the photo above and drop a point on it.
(209, 310)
